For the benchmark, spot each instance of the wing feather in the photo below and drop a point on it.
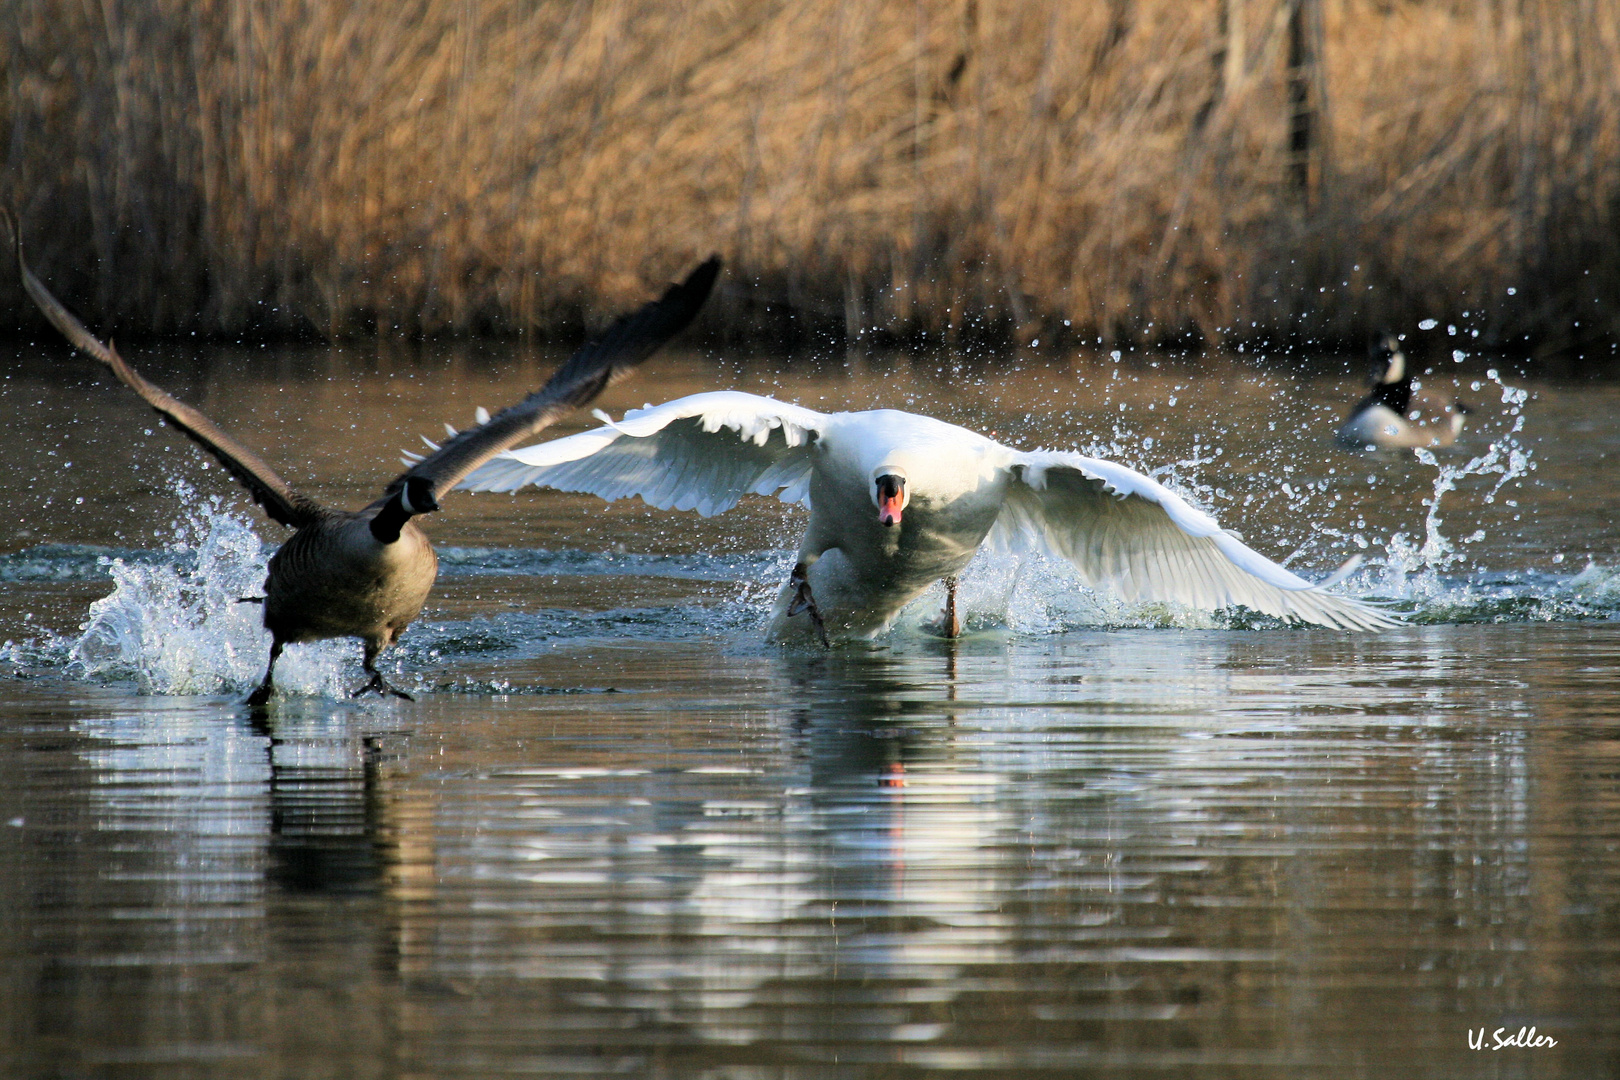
(1127, 533)
(626, 343)
(702, 453)
(268, 489)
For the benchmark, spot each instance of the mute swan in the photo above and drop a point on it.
(898, 501)
(1381, 419)
(367, 573)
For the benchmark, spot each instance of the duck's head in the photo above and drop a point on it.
(889, 493)
(1388, 361)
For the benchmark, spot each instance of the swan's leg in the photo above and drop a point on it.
(377, 683)
(804, 601)
(259, 697)
(953, 621)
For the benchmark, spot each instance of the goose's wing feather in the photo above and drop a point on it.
(625, 344)
(268, 489)
(701, 453)
(1128, 533)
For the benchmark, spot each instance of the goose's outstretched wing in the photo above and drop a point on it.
(269, 490)
(1131, 535)
(703, 453)
(628, 342)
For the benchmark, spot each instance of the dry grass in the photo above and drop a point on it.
(923, 166)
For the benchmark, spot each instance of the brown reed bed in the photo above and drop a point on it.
(944, 169)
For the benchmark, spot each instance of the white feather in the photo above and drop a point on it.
(701, 453)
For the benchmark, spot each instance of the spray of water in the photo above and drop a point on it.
(1414, 570)
(180, 627)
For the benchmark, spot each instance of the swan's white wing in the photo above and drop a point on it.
(703, 453)
(1128, 533)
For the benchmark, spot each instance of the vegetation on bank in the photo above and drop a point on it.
(1129, 169)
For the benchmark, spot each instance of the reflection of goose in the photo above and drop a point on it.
(899, 501)
(1382, 419)
(326, 810)
(367, 573)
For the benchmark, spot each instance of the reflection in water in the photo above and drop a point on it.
(1258, 853)
(194, 858)
(1138, 881)
(325, 816)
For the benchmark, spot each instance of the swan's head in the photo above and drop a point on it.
(889, 493)
(1388, 362)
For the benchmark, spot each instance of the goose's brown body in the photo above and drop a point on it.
(333, 578)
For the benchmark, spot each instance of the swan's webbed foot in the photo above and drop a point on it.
(953, 620)
(804, 601)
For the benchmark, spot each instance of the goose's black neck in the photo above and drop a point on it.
(414, 496)
(389, 521)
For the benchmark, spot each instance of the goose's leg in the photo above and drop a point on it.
(377, 683)
(259, 697)
(953, 621)
(804, 601)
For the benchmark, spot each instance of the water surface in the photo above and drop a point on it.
(618, 835)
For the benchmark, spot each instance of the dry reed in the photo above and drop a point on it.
(1127, 168)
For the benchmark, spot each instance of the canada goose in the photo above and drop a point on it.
(367, 573)
(1382, 419)
(898, 501)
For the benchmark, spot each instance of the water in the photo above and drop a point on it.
(617, 835)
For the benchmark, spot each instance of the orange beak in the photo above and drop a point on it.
(891, 498)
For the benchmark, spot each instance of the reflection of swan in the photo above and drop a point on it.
(367, 573)
(1382, 418)
(898, 501)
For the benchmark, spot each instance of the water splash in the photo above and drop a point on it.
(179, 627)
(1036, 593)
(1598, 586)
(1412, 571)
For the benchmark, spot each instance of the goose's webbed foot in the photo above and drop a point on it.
(374, 648)
(383, 688)
(804, 601)
(261, 697)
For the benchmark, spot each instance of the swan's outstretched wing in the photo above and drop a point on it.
(1128, 533)
(703, 453)
(626, 343)
(269, 490)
